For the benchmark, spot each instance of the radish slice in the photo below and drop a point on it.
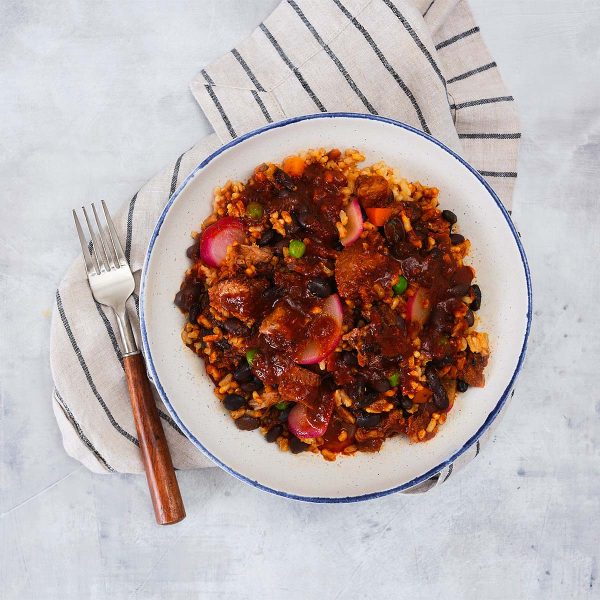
(354, 227)
(304, 422)
(218, 237)
(418, 307)
(325, 332)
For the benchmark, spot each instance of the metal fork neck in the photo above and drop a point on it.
(128, 343)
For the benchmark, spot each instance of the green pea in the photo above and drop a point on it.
(250, 354)
(400, 287)
(254, 210)
(281, 405)
(297, 249)
(394, 379)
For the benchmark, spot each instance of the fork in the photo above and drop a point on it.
(111, 282)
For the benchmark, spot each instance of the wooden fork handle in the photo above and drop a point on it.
(164, 489)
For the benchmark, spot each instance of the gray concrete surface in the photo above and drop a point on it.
(93, 101)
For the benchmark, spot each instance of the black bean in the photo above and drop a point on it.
(394, 231)
(349, 358)
(235, 327)
(193, 252)
(456, 239)
(367, 399)
(320, 287)
(283, 179)
(438, 363)
(269, 297)
(406, 403)
(234, 401)
(246, 423)
(436, 253)
(296, 445)
(204, 300)
(274, 433)
(381, 385)
(476, 304)
(198, 290)
(283, 415)
(189, 294)
(368, 420)
(328, 383)
(301, 215)
(223, 345)
(357, 390)
(461, 386)
(204, 332)
(461, 289)
(293, 228)
(252, 386)
(449, 216)
(243, 373)
(195, 311)
(415, 212)
(279, 246)
(440, 397)
(441, 400)
(440, 319)
(470, 317)
(270, 235)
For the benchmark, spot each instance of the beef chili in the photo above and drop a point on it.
(331, 305)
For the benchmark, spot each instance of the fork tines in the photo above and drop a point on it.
(104, 248)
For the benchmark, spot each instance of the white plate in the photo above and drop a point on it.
(497, 256)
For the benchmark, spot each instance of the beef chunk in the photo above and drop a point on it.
(243, 255)
(359, 269)
(253, 254)
(472, 372)
(372, 191)
(280, 327)
(291, 284)
(361, 339)
(240, 297)
(389, 331)
(417, 422)
(300, 385)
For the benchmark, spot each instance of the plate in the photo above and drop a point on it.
(496, 254)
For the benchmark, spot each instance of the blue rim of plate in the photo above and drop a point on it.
(317, 499)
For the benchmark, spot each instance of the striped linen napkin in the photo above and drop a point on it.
(419, 61)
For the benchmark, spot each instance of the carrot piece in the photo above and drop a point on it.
(378, 216)
(294, 166)
(422, 395)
